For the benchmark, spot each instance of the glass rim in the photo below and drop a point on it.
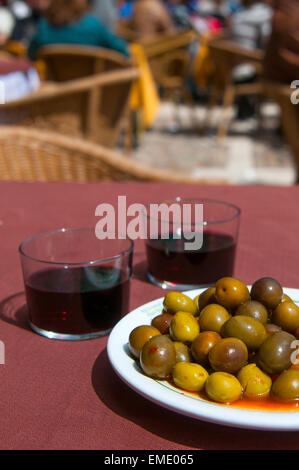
(217, 201)
(80, 263)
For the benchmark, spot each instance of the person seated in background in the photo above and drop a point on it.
(125, 8)
(150, 17)
(18, 78)
(180, 13)
(105, 11)
(69, 22)
(211, 16)
(251, 26)
(213, 8)
(7, 23)
(26, 14)
(281, 61)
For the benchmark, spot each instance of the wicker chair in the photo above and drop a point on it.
(92, 107)
(167, 54)
(168, 57)
(32, 155)
(66, 62)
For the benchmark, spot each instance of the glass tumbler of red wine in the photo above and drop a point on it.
(77, 286)
(175, 263)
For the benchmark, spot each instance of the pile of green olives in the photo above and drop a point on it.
(229, 343)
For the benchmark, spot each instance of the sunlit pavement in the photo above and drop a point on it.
(254, 152)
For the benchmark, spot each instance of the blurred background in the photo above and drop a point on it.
(176, 90)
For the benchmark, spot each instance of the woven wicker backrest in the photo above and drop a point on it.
(92, 107)
(31, 155)
(69, 62)
(164, 51)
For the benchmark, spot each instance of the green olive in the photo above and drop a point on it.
(178, 302)
(228, 355)
(189, 376)
(255, 383)
(286, 386)
(206, 297)
(195, 301)
(184, 327)
(212, 317)
(139, 336)
(231, 292)
(286, 315)
(223, 387)
(254, 309)
(286, 298)
(274, 355)
(248, 329)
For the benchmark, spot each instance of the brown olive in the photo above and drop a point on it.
(286, 315)
(254, 309)
(271, 328)
(212, 317)
(228, 355)
(162, 322)
(158, 357)
(248, 329)
(286, 386)
(231, 292)
(182, 352)
(139, 336)
(202, 345)
(268, 291)
(274, 355)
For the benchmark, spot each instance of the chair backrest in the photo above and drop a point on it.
(162, 43)
(91, 107)
(69, 62)
(164, 51)
(123, 30)
(226, 54)
(172, 70)
(31, 155)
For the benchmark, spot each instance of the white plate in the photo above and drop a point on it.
(162, 393)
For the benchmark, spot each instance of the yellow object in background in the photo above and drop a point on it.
(203, 68)
(15, 48)
(144, 95)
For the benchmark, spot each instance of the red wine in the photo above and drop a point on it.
(169, 261)
(77, 301)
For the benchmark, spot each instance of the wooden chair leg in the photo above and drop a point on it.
(228, 100)
(209, 112)
(129, 133)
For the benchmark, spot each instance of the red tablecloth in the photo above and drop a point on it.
(64, 395)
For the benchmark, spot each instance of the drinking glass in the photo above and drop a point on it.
(77, 286)
(170, 265)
